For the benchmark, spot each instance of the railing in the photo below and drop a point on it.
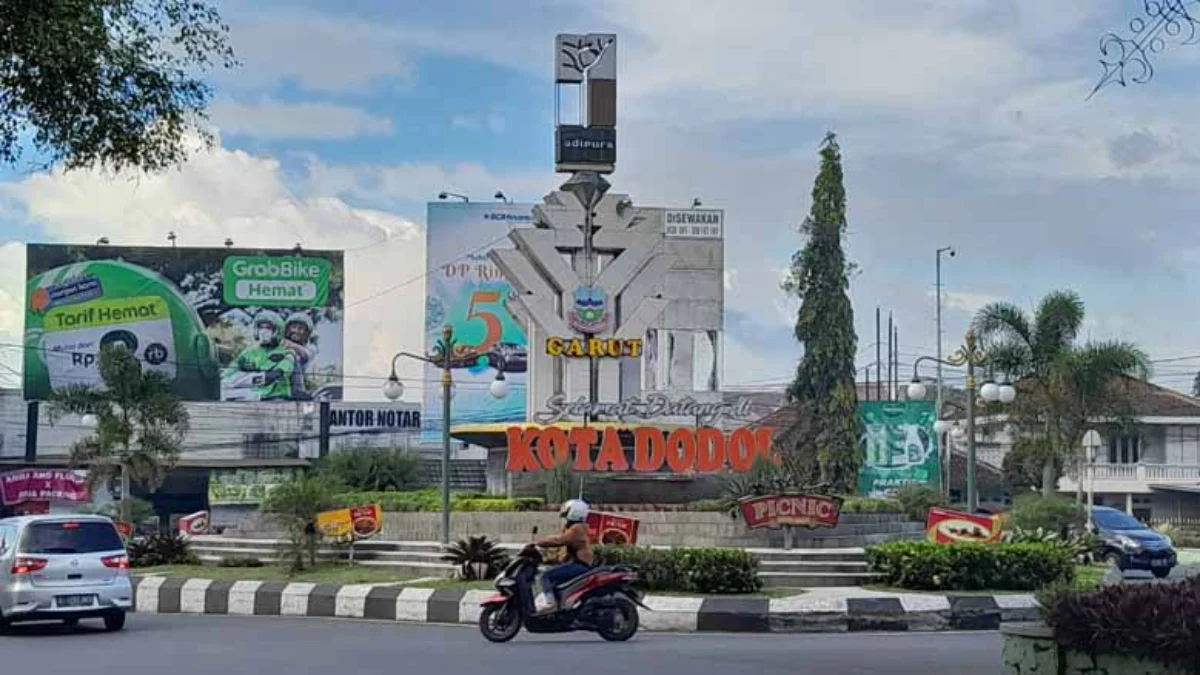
(1153, 473)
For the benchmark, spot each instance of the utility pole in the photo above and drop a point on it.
(945, 249)
(890, 375)
(878, 357)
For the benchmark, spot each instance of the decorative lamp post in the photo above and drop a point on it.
(393, 389)
(970, 355)
(1091, 443)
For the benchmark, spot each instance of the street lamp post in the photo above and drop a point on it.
(970, 355)
(940, 251)
(1091, 443)
(393, 389)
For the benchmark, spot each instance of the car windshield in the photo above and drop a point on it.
(1116, 520)
(70, 538)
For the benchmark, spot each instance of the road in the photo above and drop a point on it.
(1179, 573)
(200, 645)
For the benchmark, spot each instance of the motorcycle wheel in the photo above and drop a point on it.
(624, 621)
(499, 623)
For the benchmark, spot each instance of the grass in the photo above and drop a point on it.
(1189, 556)
(1087, 578)
(487, 585)
(324, 574)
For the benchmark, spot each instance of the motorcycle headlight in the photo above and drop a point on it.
(505, 582)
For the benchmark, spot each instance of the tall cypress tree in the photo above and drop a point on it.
(824, 382)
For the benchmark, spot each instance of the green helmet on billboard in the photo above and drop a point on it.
(74, 310)
(272, 319)
(299, 318)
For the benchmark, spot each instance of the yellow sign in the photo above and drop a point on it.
(613, 348)
(359, 522)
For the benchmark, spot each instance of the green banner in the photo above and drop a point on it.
(273, 281)
(899, 444)
(245, 486)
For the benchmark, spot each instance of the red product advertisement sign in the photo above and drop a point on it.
(944, 526)
(43, 485)
(610, 528)
(793, 510)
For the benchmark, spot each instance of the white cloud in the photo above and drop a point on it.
(492, 122)
(965, 301)
(228, 193)
(270, 119)
(422, 181)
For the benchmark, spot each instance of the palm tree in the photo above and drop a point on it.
(1065, 386)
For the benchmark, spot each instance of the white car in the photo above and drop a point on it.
(63, 568)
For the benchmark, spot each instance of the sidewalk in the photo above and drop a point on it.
(837, 610)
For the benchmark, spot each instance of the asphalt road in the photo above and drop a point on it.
(187, 645)
(1179, 573)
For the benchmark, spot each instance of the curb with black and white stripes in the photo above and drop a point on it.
(797, 614)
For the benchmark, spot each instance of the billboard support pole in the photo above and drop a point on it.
(323, 443)
(31, 431)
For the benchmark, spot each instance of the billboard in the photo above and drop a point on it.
(900, 446)
(223, 324)
(466, 291)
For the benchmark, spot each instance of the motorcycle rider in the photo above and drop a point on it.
(269, 356)
(579, 556)
(298, 337)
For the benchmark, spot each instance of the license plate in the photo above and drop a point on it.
(74, 600)
(1160, 562)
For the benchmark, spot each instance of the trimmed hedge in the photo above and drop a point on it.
(869, 505)
(687, 570)
(926, 566)
(431, 501)
(1153, 622)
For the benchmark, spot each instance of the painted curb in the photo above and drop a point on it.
(725, 614)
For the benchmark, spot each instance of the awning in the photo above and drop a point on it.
(1189, 489)
(495, 435)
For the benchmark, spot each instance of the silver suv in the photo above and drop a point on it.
(63, 568)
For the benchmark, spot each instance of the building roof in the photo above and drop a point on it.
(1150, 400)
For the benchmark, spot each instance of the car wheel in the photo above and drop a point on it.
(114, 622)
(1115, 559)
(1161, 572)
(4, 624)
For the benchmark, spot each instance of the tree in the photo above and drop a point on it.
(824, 381)
(295, 505)
(106, 83)
(1064, 387)
(140, 426)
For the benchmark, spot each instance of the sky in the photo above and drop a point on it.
(962, 123)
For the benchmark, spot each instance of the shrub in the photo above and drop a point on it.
(1081, 545)
(1153, 622)
(927, 566)
(687, 570)
(1180, 537)
(1053, 513)
(708, 506)
(168, 548)
(374, 469)
(240, 562)
(431, 501)
(869, 505)
(916, 500)
(471, 552)
(295, 505)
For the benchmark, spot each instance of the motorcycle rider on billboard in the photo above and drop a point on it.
(269, 356)
(299, 339)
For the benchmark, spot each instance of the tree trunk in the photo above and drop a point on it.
(1048, 486)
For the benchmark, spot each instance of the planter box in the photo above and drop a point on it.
(1030, 649)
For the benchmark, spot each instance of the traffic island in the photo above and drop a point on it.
(837, 610)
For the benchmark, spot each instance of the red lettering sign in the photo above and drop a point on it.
(796, 510)
(703, 450)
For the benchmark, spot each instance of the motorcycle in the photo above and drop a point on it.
(602, 601)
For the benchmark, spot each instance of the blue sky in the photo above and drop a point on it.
(963, 123)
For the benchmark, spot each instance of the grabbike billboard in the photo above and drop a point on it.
(470, 294)
(221, 323)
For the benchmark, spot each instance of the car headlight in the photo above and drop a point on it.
(1127, 543)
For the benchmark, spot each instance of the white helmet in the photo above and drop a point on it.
(574, 510)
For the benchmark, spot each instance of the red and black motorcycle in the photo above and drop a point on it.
(602, 601)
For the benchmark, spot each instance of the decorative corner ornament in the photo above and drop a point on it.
(1147, 35)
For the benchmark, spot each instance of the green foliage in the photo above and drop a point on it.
(430, 500)
(926, 566)
(765, 477)
(141, 422)
(167, 548)
(1180, 537)
(916, 500)
(561, 483)
(708, 506)
(1064, 387)
(130, 510)
(374, 469)
(243, 561)
(687, 570)
(819, 278)
(474, 552)
(869, 505)
(107, 83)
(1052, 514)
(295, 505)
(1081, 545)
(1152, 622)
